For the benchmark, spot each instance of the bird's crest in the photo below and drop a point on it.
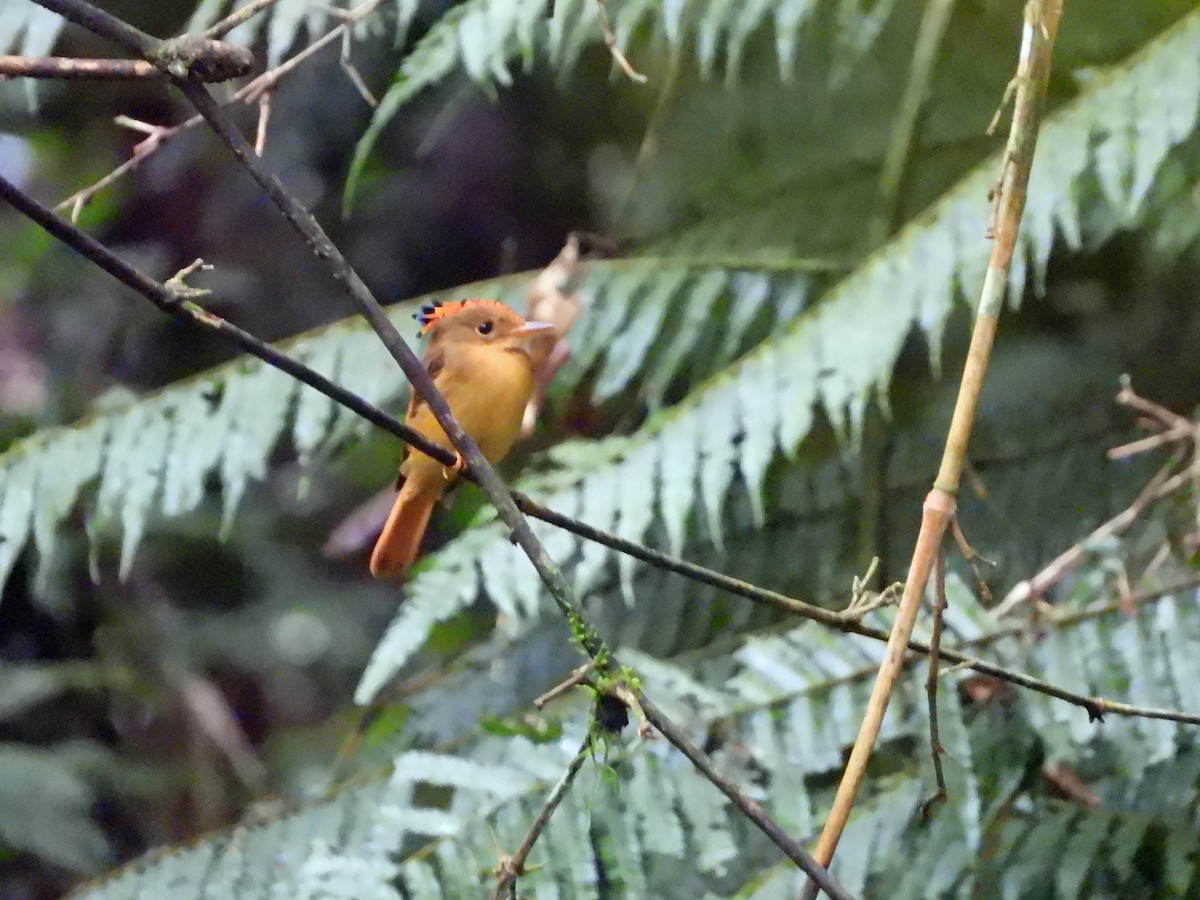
(432, 313)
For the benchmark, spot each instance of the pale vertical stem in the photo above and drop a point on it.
(1033, 70)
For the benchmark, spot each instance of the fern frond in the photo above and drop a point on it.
(780, 721)
(46, 806)
(685, 461)
(157, 454)
(484, 38)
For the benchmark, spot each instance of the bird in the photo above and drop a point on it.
(482, 356)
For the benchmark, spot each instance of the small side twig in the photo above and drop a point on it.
(863, 600)
(264, 119)
(931, 685)
(251, 92)
(510, 868)
(1161, 485)
(1167, 418)
(236, 18)
(577, 677)
(610, 41)
(973, 558)
(633, 702)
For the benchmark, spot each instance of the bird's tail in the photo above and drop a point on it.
(400, 539)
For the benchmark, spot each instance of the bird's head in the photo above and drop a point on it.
(486, 322)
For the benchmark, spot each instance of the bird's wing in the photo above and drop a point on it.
(434, 361)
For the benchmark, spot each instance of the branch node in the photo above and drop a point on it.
(178, 290)
(938, 796)
(201, 59)
(863, 601)
(508, 869)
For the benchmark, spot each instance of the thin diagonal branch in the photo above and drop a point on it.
(1160, 486)
(750, 808)
(513, 867)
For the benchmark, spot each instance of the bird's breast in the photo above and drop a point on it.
(487, 389)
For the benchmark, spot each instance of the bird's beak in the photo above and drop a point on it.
(535, 339)
(534, 328)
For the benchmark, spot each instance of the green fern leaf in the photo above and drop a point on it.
(839, 354)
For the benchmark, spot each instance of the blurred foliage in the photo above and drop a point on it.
(757, 384)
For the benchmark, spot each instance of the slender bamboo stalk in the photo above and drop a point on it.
(1033, 70)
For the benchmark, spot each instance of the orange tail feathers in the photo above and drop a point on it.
(400, 540)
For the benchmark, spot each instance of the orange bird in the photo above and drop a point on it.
(482, 357)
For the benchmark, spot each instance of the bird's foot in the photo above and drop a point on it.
(451, 471)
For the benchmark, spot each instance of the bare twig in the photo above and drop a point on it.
(1169, 419)
(863, 600)
(577, 677)
(1041, 28)
(973, 558)
(210, 61)
(512, 867)
(610, 41)
(236, 18)
(1173, 428)
(357, 80)
(251, 92)
(264, 119)
(1152, 442)
(63, 68)
(1010, 91)
(1161, 485)
(931, 684)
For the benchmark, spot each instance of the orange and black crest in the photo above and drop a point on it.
(432, 313)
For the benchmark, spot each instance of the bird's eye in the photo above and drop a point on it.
(484, 327)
